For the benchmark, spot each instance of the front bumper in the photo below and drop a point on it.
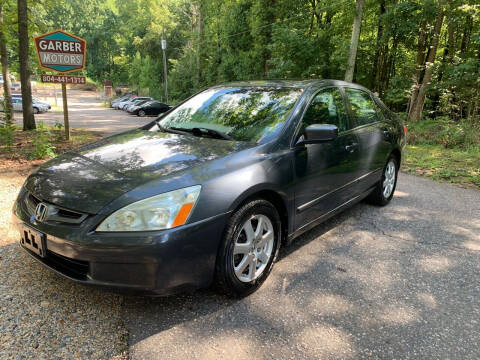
(150, 263)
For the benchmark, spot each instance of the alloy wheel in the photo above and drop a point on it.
(389, 179)
(253, 248)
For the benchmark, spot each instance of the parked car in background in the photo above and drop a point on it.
(124, 97)
(42, 105)
(150, 108)
(16, 87)
(38, 106)
(121, 101)
(209, 191)
(125, 104)
(136, 102)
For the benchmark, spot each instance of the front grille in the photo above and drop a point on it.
(31, 202)
(54, 212)
(76, 269)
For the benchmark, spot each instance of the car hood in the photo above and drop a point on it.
(94, 175)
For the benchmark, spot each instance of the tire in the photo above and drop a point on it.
(381, 196)
(141, 113)
(36, 111)
(235, 259)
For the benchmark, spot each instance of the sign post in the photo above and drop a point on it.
(61, 52)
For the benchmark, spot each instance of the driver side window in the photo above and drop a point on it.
(327, 107)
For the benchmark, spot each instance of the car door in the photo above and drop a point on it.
(372, 132)
(324, 172)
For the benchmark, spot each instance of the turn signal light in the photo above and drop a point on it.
(182, 215)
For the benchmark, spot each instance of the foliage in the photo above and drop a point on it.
(42, 146)
(7, 134)
(463, 134)
(213, 41)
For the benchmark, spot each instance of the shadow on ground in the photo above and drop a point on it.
(393, 282)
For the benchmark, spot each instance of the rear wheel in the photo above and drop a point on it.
(141, 113)
(249, 248)
(35, 110)
(383, 192)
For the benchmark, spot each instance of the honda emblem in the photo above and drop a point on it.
(41, 212)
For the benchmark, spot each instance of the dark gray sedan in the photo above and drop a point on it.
(208, 192)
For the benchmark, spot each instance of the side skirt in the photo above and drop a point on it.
(329, 214)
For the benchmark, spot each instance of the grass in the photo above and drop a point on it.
(445, 150)
(441, 164)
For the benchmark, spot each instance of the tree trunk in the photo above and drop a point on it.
(352, 54)
(199, 30)
(417, 107)
(420, 65)
(23, 54)
(446, 60)
(373, 83)
(7, 86)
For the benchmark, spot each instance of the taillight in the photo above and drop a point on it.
(405, 129)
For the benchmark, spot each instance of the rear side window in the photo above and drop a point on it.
(327, 107)
(362, 105)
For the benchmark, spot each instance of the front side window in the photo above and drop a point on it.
(242, 113)
(327, 107)
(362, 106)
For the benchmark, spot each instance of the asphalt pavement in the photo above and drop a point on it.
(398, 282)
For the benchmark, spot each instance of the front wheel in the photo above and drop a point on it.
(249, 248)
(383, 192)
(141, 113)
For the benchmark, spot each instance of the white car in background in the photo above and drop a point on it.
(38, 106)
(124, 105)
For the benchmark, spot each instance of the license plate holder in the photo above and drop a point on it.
(33, 240)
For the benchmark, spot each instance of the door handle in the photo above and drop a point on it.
(351, 147)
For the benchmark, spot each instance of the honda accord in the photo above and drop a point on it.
(208, 192)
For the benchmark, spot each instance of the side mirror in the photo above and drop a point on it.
(318, 133)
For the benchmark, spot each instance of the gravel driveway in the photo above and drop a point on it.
(394, 282)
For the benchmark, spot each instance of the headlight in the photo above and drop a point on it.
(164, 211)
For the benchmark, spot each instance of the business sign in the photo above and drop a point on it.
(61, 51)
(67, 79)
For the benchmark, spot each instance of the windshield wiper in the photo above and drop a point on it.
(171, 130)
(200, 131)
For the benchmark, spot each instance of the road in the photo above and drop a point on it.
(399, 282)
(87, 111)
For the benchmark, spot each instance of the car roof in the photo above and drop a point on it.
(296, 84)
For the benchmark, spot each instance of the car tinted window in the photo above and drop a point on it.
(247, 113)
(327, 107)
(362, 105)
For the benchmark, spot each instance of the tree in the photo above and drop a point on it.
(7, 95)
(23, 54)
(352, 53)
(424, 73)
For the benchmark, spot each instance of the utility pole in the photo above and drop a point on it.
(165, 72)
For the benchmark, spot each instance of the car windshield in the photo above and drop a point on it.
(139, 102)
(241, 113)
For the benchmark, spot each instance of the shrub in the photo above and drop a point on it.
(42, 146)
(7, 136)
(463, 134)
